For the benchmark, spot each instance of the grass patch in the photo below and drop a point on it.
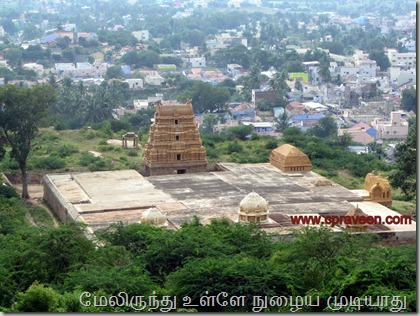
(404, 208)
(73, 146)
(40, 216)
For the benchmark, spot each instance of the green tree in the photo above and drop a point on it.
(148, 59)
(324, 72)
(206, 97)
(239, 132)
(344, 140)
(403, 175)
(23, 109)
(376, 149)
(14, 56)
(38, 298)
(209, 121)
(282, 122)
(278, 82)
(298, 85)
(325, 127)
(113, 72)
(193, 37)
(409, 99)
(98, 106)
(381, 59)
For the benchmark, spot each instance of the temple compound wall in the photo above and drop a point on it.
(174, 145)
(290, 159)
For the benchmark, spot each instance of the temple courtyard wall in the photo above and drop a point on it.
(102, 198)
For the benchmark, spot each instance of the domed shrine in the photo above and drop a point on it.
(154, 217)
(290, 159)
(253, 208)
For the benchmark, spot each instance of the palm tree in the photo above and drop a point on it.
(98, 106)
(282, 122)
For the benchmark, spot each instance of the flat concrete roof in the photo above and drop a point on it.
(106, 197)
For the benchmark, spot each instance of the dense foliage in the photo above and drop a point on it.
(48, 269)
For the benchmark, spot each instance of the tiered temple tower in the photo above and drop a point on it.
(174, 145)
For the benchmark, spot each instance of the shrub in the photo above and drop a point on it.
(234, 147)
(86, 159)
(90, 135)
(132, 153)
(66, 150)
(8, 191)
(104, 148)
(103, 142)
(100, 165)
(50, 162)
(212, 153)
(271, 144)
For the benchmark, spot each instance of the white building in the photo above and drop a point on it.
(403, 60)
(39, 69)
(154, 80)
(81, 70)
(141, 35)
(399, 77)
(367, 68)
(135, 84)
(396, 128)
(200, 4)
(198, 62)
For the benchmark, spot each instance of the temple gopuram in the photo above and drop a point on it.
(174, 145)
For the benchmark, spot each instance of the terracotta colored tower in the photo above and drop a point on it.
(174, 144)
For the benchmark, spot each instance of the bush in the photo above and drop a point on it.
(132, 153)
(86, 159)
(8, 191)
(90, 135)
(103, 142)
(234, 147)
(66, 150)
(212, 153)
(104, 148)
(117, 126)
(271, 144)
(100, 165)
(50, 162)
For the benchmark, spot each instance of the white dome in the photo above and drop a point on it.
(253, 203)
(153, 216)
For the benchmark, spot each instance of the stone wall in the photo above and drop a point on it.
(65, 210)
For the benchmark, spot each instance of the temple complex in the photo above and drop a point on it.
(174, 145)
(290, 159)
